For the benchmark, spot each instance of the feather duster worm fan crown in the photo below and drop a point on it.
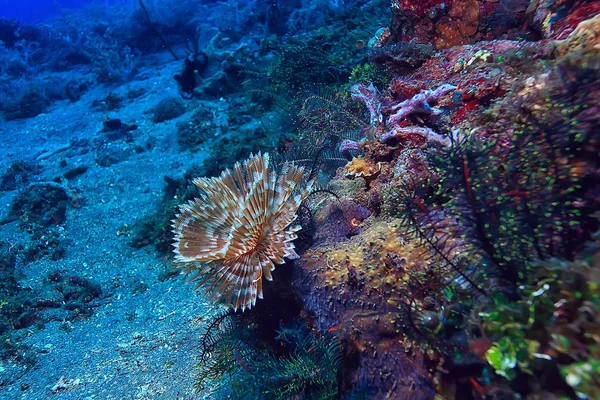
(231, 237)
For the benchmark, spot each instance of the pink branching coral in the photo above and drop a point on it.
(232, 236)
(419, 103)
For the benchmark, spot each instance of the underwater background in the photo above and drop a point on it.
(300, 199)
(33, 11)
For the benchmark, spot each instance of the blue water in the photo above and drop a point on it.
(33, 11)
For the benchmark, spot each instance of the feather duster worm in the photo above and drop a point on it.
(232, 236)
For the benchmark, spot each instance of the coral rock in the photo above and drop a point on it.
(586, 37)
(459, 25)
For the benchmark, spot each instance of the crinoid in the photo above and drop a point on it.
(324, 120)
(307, 368)
(507, 201)
(240, 359)
(503, 203)
(232, 236)
(498, 215)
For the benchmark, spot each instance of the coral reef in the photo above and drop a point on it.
(359, 282)
(454, 281)
(448, 24)
(339, 220)
(461, 188)
(193, 133)
(27, 105)
(393, 127)
(440, 156)
(549, 332)
(310, 370)
(16, 309)
(368, 96)
(459, 25)
(420, 103)
(584, 38)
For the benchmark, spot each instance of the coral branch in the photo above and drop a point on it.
(368, 96)
(420, 103)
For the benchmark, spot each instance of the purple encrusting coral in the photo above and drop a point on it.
(342, 220)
